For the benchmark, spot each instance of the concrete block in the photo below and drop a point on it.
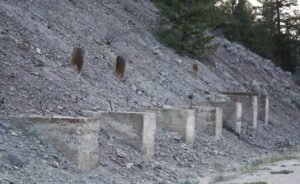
(134, 128)
(217, 98)
(249, 104)
(231, 116)
(75, 137)
(179, 120)
(263, 109)
(209, 118)
(254, 111)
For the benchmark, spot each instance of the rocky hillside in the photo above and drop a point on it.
(36, 42)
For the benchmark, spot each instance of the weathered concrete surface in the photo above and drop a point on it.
(263, 109)
(135, 128)
(76, 137)
(178, 120)
(249, 104)
(209, 118)
(233, 117)
(231, 114)
(217, 98)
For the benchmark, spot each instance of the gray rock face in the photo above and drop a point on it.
(15, 161)
(295, 98)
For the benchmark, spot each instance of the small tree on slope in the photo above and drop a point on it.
(184, 25)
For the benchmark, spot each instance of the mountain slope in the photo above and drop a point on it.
(36, 42)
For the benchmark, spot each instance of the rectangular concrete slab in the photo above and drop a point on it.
(135, 128)
(75, 137)
(231, 116)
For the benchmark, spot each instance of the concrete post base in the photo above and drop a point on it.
(249, 104)
(136, 129)
(263, 109)
(178, 120)
(231, 116)
(77, 138)
(210, 119)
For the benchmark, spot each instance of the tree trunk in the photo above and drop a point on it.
(279, 37)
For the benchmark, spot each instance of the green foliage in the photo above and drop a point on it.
(184, 25)
(269, 30)
(241, 27)
(282, 172)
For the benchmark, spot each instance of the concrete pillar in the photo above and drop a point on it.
(254, 112)
(218, 122)
(134, 128)
(249, 104)
(231, 114)
(77, 138)
(267, 110)
(178, 120)
(233, 117)
(238, 118)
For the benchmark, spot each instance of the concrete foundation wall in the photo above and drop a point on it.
(178, 120)
(231, 114)
(136, 129)
(209, 119)
(263, 109)
(249, 104)
(77, 138)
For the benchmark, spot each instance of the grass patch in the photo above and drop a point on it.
(221, 178)
(254, 166)
(282, 172)
(190, 181)
(265, 169)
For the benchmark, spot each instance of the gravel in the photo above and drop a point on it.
(36, 41)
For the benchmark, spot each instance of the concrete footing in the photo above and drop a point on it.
(77, 138)
(263, 109)
(209, 119)
(135, 128)
(181, 121)
(231, 116)
(249, 104)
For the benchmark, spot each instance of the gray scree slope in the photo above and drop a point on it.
(36, 42)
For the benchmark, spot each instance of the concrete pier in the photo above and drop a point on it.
(75, 137)
(179, 120)
(210, 119)
(263, 109)
(135, 128)
(249, 104)
(231, 116)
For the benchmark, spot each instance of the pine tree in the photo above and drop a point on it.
(184, 25)
(278, 21)
(241, 27)
(240, 19)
